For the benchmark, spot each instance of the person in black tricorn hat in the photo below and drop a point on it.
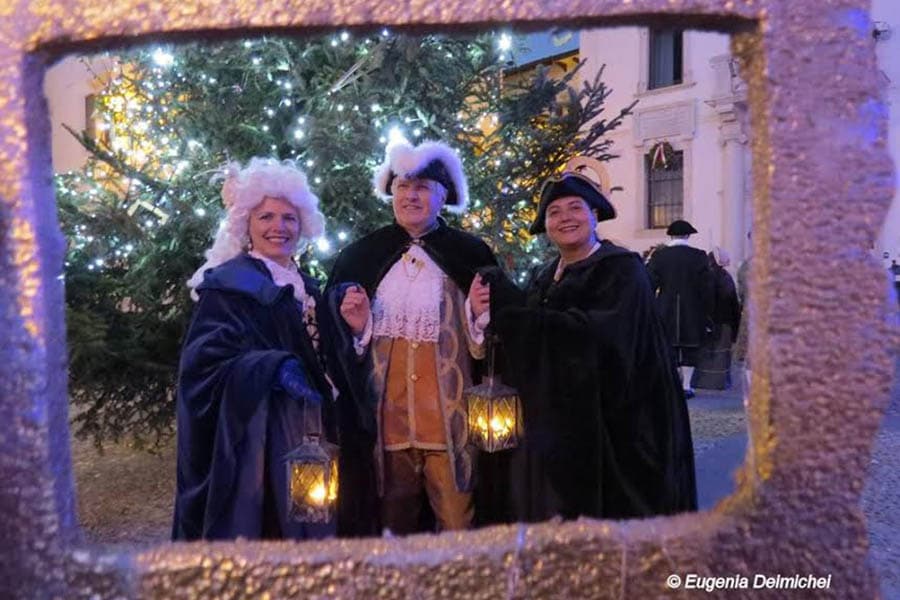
(403, 414)
(685, 295)
(606, 430)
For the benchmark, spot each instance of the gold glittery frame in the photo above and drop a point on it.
(821, 346)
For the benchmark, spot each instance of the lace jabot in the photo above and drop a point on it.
(407, 302)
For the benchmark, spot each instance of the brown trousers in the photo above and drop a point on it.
(407, 474)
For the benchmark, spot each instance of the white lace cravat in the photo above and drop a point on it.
(283, 276)
(408, 300)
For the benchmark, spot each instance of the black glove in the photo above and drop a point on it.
(504, 293)
(292, 380)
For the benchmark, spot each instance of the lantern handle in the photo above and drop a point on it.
(312, 418)
(492, 340)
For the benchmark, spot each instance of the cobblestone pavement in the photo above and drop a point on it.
(718, 425)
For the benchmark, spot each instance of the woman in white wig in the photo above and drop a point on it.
(252, 369)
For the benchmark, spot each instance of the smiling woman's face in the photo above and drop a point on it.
(570, 222)
(275, 229)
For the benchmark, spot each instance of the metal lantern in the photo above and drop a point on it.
(495, 415)
(312, 475)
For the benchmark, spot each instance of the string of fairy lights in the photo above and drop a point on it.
(135, 124)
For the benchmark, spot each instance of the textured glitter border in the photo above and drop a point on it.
(821, 346)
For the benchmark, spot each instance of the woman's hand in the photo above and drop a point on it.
(355, 309)
(479, 296)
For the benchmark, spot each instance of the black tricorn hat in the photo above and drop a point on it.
(680, 227)
(571, 184)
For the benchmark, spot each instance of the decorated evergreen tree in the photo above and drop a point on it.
(142, 211)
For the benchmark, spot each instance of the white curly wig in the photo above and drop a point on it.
(242, 190)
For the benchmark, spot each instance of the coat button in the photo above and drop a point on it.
(414, 377)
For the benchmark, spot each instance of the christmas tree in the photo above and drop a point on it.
(142, 211)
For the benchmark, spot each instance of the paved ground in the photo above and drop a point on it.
(720, 441)
(125, 496)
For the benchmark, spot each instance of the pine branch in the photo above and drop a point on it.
(115, 162)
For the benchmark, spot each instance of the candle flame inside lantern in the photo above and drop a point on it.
(501, 426)
(317, 494)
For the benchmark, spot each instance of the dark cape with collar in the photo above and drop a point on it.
(234, 424)
(685, 290)
(606, 425)
(365, 262)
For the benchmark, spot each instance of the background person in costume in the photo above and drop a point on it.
(406, 407)
(606, 426)
(713, 369)
(684, 288)
(251, 362)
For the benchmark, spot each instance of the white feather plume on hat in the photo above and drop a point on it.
(404, 160)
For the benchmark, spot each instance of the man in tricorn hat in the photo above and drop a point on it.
(685, 292)
(404, 420)
(606, 426)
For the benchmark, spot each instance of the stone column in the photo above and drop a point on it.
(729, 103)
(734, 227)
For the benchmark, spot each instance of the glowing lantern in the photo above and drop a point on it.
(312, 473)
(495, 415)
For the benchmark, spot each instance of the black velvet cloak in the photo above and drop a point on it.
(606, 426)
(234, 424)
(685, 296)
(365, 262)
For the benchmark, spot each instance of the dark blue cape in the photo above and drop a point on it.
(234, 428)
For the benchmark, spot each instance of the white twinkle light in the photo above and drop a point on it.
(505, 42)
(323, 244)
(342, 236)
(163, 58)
(395, 136)
(200, 212)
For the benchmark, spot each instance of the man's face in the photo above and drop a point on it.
(417, 203)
